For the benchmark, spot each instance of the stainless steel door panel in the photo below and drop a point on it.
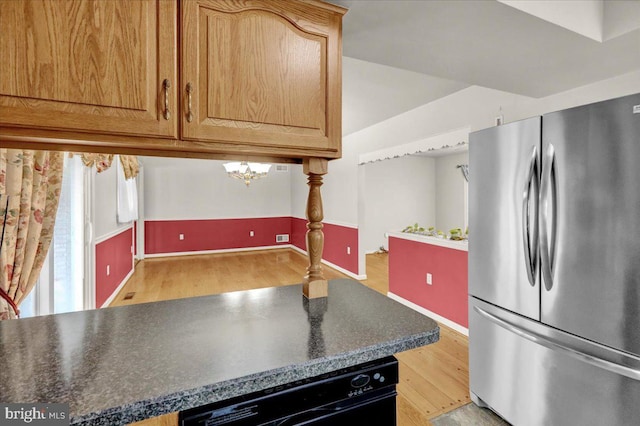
(503, 174)
(595, 274)
(534, 375)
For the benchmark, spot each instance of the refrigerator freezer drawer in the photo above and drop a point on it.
(534, 375)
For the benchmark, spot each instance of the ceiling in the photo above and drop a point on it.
(403, 54)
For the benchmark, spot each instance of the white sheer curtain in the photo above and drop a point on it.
(127, 201)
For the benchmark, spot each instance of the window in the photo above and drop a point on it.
(61, 285)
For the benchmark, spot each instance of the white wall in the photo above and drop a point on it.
(105, 215)
(398, 192)
(300, 190)
(451, 195)
(182, 188)
(339, 187)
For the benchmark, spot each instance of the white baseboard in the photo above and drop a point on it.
(298, 249)
(282, 246)
(117, 290)
(345, 271)
(232, 250)
(433, 315)
(334, 266)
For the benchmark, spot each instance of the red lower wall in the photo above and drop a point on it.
(409, 263)
(299, 233)
(163, 236)
(115, 252)
(336, 240)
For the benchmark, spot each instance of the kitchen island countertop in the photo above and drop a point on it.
(129, 363)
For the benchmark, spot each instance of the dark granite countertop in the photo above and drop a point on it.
(124, 364)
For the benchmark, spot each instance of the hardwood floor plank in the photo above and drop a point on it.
(441, 377)
(426, 389)
(407, 414)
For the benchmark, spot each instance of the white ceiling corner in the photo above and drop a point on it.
(620, 18)
(401, 54)
(585, 17)
(598, 20)
(374, 92)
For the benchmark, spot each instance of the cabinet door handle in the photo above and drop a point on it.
(189, 113)
(166, 85)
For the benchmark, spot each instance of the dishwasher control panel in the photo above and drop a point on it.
(342, 390)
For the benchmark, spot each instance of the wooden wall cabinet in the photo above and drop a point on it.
(89, 66)
(264, 73)
(249, 77)
(258, 80)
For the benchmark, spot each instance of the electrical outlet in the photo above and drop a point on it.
(429, 279)
(181, 237)
(348, 250)
(251, 233)
(108, 270)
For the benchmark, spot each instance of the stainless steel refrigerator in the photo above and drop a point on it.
(554, 266)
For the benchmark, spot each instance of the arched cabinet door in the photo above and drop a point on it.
(90, 66)
(262, 73)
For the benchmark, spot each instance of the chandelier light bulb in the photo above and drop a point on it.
(246, 171)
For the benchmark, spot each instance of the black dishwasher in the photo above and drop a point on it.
(364, 394)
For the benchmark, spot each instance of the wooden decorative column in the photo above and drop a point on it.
(314, 284)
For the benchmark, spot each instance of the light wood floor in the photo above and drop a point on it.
(433, 379)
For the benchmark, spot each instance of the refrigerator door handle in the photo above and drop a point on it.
(548, 216)
(619, 363)
(531, 259)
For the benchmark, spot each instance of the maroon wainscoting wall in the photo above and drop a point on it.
(135, 237)
(336, 240)
(409, 263)
(299, 233)
(115, 252)
(163, 236)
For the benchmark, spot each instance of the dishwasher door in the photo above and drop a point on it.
(378, 409)
(362, 394)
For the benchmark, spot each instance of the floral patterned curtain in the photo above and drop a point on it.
(103, 162)
(30, 183)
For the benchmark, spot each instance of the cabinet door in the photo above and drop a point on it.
(262, 73)
(89, 65)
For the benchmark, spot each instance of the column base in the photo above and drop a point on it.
(315, 289)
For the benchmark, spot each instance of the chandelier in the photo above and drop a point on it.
(246, 171)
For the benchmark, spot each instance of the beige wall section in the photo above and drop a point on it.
(189, 189)
(398, 192)
(451, 194)
(105, 190)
